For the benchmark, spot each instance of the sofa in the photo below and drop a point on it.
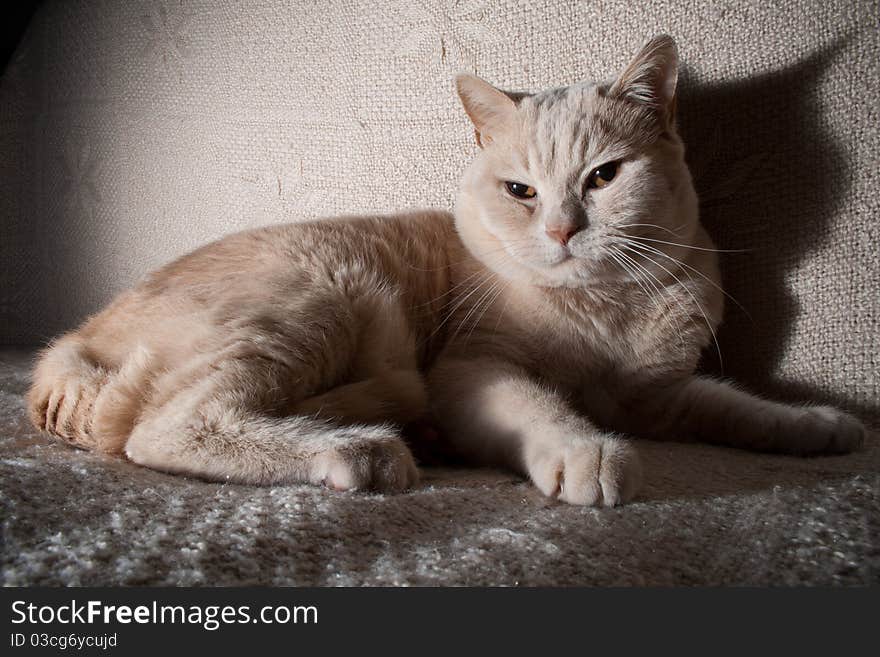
(130, 133)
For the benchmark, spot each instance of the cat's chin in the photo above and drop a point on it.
(574, 273)
(570, 272)
(522, 272)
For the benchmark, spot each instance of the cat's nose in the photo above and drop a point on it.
(562, 232)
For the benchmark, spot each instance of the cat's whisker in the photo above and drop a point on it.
(663, 228)
(501, 290)
(473, 309)
(658, 296)
(630, 273)
(491, 303)
(497, 288)
(650, 292)
(696, 301)
(486, 300)
(656, 251)
(687, 246)
(452, 263)
(501, 313)
(658, 285)
(489, 297)
(629, 244)
(487, 277)
(451, 291)
(463, 282)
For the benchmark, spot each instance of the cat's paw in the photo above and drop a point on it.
(62, 406)
(594, 472)
(384, 465)
(825, 430)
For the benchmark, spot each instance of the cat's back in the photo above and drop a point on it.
(266, 274)
(306, 251)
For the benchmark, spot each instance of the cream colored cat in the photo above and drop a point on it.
(563, 309)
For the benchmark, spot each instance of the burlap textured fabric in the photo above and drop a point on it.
(130, 133)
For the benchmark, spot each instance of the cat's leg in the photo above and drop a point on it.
(717, 412)
(384, 382)
(493, 412)
(225, 426)
(396, 396)
(84, 404)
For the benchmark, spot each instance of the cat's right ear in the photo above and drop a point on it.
(491, 110)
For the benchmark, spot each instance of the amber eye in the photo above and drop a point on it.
(602, 175)
(520, 190)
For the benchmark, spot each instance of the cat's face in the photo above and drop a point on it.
(564, 173)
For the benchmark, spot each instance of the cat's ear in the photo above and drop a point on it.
(491, 110)
(651, 76)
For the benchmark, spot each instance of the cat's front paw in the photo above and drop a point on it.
(826, 430)
(384, 465)
(594, 472)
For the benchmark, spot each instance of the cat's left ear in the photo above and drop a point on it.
(651, 77)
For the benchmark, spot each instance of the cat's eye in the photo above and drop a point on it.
(602, 175)
(520, 190)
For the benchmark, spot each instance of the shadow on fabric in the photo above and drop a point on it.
(770, 179)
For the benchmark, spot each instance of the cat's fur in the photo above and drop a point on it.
(535, 334)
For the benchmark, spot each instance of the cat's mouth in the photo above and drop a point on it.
(559, 257)
(565, 255)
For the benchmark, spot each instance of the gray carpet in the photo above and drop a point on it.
(707, 516)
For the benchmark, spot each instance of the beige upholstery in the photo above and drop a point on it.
(131, 133)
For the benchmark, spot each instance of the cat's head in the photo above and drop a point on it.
(562, 173)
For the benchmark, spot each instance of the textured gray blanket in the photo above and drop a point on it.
(707, 516)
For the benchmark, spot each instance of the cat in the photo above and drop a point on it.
(556, 315)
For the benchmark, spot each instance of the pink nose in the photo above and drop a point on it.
(562, 233)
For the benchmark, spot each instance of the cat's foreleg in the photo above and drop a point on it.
(396, 396)
(716, 412)
(495, 413)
